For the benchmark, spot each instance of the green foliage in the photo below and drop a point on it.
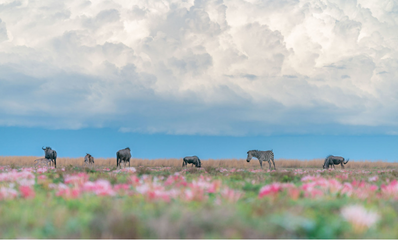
(133, 216)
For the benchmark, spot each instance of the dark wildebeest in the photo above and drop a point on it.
(334, 160)
(194, 160)
(267, 156)
(51, 155)
(89, 159)
(123, 155)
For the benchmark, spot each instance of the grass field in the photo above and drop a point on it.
(223, 199)
(228, 163)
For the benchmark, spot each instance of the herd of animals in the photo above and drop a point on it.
(124, 156)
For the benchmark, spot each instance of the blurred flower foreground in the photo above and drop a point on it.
(172, 202)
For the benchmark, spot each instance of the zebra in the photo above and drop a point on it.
(334, 160)
(88, 159)
(194, 160)
(262, 156)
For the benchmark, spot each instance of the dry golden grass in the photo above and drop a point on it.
(224, 163)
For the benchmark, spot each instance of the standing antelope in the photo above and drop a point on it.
(51, 155)
(89, 159)
(334, 160)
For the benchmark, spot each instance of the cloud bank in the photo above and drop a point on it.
(235, 67)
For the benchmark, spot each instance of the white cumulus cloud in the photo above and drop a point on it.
(218, 67)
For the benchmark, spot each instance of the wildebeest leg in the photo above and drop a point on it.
(342, 166)
(129, 163)
(55, 162)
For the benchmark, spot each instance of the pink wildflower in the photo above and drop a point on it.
(135, 180)
(214, 186)
(129, 169)
(347, 189)
(230, 195)
(309, 178)
(273, 189)
(8, 193)
(373, 179)
(77, 179)
(42, 170)
(100, 187)
(121, 188)
(195, 194)
(66, 192)
(27, 191)
(342, 177)
(390, 189)
(294, 193)
(359, 217)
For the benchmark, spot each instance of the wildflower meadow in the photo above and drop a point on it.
(208, 202)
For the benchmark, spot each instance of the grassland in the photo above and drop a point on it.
(226, 163)
(224, 199)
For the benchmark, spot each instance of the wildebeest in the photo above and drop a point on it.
(194, 160)
(123, 155)
(334, 160)
(50, 155)
(262, 156)
(88, 159)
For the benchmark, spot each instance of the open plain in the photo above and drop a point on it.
(223, 199)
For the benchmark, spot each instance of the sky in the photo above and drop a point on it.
(285, 73)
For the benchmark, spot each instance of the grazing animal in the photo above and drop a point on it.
(42, 161)
(89, 159)
(50, 155)
(194, 160)
(123, 155)
(267, 156)
(334, 160)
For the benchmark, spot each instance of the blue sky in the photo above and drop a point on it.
(105, 142)
(298, 74)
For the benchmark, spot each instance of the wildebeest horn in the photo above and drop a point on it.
(43, 148)
(346, 161)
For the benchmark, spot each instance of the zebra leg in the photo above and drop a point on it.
(261, 163)
(273, 163)
(270, 166)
